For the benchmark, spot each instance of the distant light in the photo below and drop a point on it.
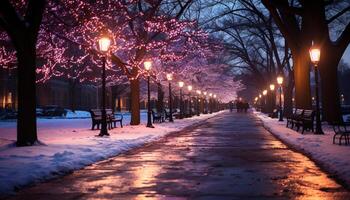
(147, 65)
(181, 84)
(265, 92)
(315, 54)
(272, 87)
(189, 88)
(280, 80)
(169, 76)
(104, 44)
(199, 92)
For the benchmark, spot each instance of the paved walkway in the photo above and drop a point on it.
(230, 157)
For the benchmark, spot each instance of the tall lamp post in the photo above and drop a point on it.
(205, 103)
(198, 101)
(169, 77)
(260, 104)
(103, 45)
(272, 97)
(210, 103)
(148, 66)
(189, 88)
(181, 84)
(280, 82)
(215, 103)
(264, 93)
(315, 54)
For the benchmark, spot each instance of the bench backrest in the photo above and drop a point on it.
(308, 114)
(299, 111)
(95, 112)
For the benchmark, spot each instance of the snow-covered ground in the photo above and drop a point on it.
(69, 144)
(332, 157)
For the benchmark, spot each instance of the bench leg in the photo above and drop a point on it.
(121, 124)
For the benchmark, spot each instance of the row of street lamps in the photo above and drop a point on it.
(315, 54)
(103, 46)
(181, 84)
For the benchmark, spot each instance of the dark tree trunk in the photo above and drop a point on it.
(288, 95)
(72, 90)
(119, 106)
(160, 101)
(328, 68)
(26, 121)
(135, 101)
(302, 78)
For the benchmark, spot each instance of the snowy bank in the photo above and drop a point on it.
(320, 148)
(69, 145)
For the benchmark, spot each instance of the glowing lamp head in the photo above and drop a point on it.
(214, 96)
(265, 92)
(280, 80)
(211, 94)
(181, 84)
(147, 65)
(189, 88)
(205, 93)
(169, 76)
(104, 43)
(272, 87)
(315, 54)
(199, 92)
(256, 98)
(260, 96)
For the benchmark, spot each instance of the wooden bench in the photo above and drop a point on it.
(157, 117)
(291, 118)
(306, 121)
(341, 132)
(96, 118)
(113, 118)
(274, 113)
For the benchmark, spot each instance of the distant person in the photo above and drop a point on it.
(246, 106)
(231, 106)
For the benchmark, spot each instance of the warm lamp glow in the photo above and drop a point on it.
(265, 92)
(211, 94)
(280, 80)
(169, 76)
(104, 43)
(205, 93)
(315, 54)
(181, 84)
(199, 92)
(272, 87)
(256, 98)
(214, 96)
(147, 65)
(189, 88)
(260, 95)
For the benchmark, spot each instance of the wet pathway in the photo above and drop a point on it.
(230, 157)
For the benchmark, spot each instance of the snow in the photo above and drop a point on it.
(77, 114)
(69, 144)
(320, 148)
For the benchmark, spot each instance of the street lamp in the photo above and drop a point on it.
(103, 45)
(169, 77)
(189, 88)
(280, 82)
(148, 66)
(205, 103)
(215, 103)
(315, 54)
(210, 103)
(198, 101)
(264, 94)
(181, 84)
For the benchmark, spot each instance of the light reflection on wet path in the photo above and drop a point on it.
(230, 157)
